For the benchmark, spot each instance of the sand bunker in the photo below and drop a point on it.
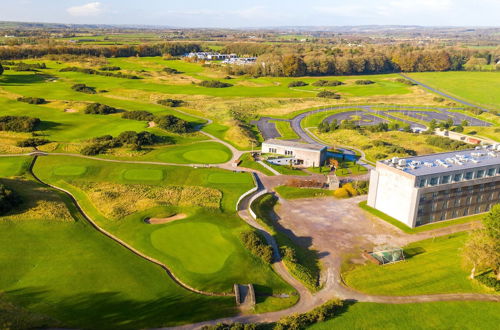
(151, 124)
(70, 110)
(156, 221)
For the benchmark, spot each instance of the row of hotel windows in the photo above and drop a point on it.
(461, 191)
(451, 214)
(458, 202)
(434, 181)
(274, 151)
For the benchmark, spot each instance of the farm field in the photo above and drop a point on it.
(438, 315)
(476, 87)
(204, 250)
(52, 241)
(432, 266)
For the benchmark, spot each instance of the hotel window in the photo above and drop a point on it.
(272, 150)
(445, 179)
(491, 172)
(480, 174)
(421, 183)
(457, 177)
(468, 175)
(433, 181)
(288, 152)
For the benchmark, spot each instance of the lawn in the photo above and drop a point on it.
(432, 266)
(286, 170)
(468, 315)
(65, 272)
(194, 153)
(248, 162)
(204, 250)
(294, 193)
(381, 215)
(476, 87)
(285, 130)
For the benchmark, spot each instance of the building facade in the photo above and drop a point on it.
(425, 189)
(300, 154)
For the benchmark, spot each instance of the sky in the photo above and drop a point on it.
(255, 13)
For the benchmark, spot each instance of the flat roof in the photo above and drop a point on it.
(293, 144)
(447, 161)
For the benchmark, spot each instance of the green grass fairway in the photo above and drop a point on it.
(76, 277)
(465, 315)
(434, 266)
(140, 174)
(237, 178)
(206, 254)
(476, 87)
(69, 170)
(204, 250)
(293, 192)
(13, 166)
(199, 153)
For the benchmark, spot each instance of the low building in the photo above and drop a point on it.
(425, 189)
(300, 154)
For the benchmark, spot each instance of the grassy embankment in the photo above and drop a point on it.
(288, 192)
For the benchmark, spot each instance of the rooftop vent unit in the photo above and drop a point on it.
(492, 154)
(428, 164)
(402, 162)
(395, 160)
(475, 161)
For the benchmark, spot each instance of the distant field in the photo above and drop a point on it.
(422, 316)
(476, 87)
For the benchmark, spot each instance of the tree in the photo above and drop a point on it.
(464, 123)
(1, 69)
(482, 249)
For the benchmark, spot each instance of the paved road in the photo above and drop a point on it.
(442, 93)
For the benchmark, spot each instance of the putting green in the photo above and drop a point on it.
(143, 174)
(200, 247)
(69, 170)
(229, 178)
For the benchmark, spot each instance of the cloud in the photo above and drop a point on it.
(89, 9)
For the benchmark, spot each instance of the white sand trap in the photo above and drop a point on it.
(70, 110)
(156, 221)
(151, 124)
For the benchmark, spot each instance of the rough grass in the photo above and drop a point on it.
(294, 193)
(432, 266)
(285, 130)
(436, 315)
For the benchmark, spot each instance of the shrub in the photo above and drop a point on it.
(350, 189)
(303, 321)
(341, 193)
(109, 68)
(93, 149)
(324, 83)
(29, 66)
(32, 100)
(8, 199)
(328, 95)
(18, 123)
(82, 88)
(446, 143)
(438, 99)
(170, 102)
(475, 111)
(380, 155)
(298, 83)
(405, 81)
(255, 243)
(100, 73)
(361, 186)
(173, 124)
(140, 115)
(364, 82)
(99, 109)
(214, 84)
(489, 281)
(171, 71)
(32, 142)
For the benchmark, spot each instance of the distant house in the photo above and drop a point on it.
(300, 154)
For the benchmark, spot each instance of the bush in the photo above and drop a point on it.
(32, 142)
(140, 115)
(170, 102)
(109, 68)
(171, 71)
(405, 81)
(341, 193)
(99, 109)
(364, 82)
(214, 84)
(255, 243)
(297, 84)
(361, 186)
(82, 88)
(324, 83)
(29, 67)
(173, 124)
(93, 149)
(489, 281)
(303, 321)
(350, 189)
(379, 156)
(100, 73)
(18, 123)
(438, 99)
(328, 95)
(136, 140)
(8, 199)
(475, 111)
(446, 143)
(32, 100)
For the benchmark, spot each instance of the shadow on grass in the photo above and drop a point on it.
(23, 79)
(114, 310)
(410, 253)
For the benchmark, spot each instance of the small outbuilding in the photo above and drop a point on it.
(302, 154)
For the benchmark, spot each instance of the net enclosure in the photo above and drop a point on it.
(388, 254)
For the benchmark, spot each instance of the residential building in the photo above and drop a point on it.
(300, 154)
(425, 189)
